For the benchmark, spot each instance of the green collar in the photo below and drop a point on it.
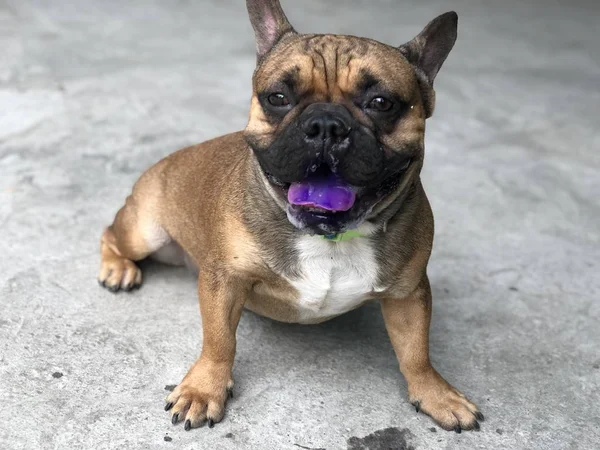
(345, 236)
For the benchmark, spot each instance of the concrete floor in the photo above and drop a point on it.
(92, 93)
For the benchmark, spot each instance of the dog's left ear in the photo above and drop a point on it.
(269, 23)
(430, 48)
(428, 51)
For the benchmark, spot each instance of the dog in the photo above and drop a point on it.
(316, 208)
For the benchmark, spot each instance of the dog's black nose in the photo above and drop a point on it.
(327, 121)
(326, 126)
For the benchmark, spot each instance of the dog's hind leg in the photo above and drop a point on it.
(134, 235)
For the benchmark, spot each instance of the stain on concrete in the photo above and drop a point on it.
(499, 431)
(229, 435)
(308, 448)
(596, 366)
(513, 288)
(57, 375)
(385, 439)
(433, 429)
(168, 438)
(170, 387)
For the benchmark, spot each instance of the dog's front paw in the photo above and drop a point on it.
(446, 405)
(201, 396)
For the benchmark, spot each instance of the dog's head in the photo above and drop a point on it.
(337, 122)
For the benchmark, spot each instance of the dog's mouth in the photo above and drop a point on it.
(326, 203)
(321, 192)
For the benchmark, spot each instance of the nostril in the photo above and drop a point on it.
(313, 129)
(338, 128)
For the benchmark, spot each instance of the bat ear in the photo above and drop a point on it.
(269, 23)
(430, 48)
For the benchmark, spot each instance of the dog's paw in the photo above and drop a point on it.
(117, 273)
(447, 406)
(201, 396)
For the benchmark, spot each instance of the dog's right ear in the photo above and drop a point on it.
(269, 23)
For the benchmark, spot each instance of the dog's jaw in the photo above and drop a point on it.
(370, 204)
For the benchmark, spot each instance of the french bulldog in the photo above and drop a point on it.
(316, 208)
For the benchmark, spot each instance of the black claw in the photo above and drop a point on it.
(417, 405)
(211, 423)
(188, 425)
(175, 419)
(457, 429)
(479, 416)
(230, 393)
(113, 288)
(168, 406)
(101, 283)
(476, 426)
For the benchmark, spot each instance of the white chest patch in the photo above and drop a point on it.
(335, 277)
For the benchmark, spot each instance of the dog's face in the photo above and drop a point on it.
(337, 122)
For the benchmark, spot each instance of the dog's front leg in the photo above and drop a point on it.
(407, 321)
(203, 392)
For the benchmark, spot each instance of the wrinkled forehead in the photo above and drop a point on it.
(332, 64)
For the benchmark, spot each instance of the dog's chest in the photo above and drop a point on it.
(334, 277)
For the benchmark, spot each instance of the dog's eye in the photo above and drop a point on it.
(381, 104)
(278, 99)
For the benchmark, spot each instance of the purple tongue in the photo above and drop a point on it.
(330, 193)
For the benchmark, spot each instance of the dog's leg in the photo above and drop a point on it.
(203, 392)
(133, 236)
(407, 321)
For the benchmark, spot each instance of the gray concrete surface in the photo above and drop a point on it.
(92, 93)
